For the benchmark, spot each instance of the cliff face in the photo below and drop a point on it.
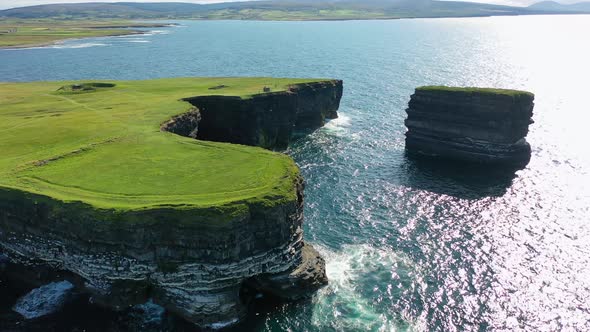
(267, 120)
(475, 125)
(186, 124)
(195, 269)
(200, 263)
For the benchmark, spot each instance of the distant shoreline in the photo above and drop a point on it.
(358, 18)
(57, 42)
(117, 34)
(164, 25)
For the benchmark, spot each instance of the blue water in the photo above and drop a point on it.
(409, 247)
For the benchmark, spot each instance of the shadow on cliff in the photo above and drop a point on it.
(461, 180)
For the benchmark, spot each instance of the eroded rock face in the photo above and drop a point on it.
(481, 127)
(194, 262)
(194, 269)
(186, 124)
(296, 283)
(270, 119)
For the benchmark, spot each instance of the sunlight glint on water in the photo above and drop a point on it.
(408, 247)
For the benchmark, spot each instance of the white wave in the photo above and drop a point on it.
(341, 305)
(155, 32)
(137, 41)
(61, 45)
(128, 36)
(44, 300)
(338, 126)
(355, 136)
(343, 121)
(82, 45)
(221, 325)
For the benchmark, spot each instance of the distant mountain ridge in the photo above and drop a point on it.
(287, 9)
(556, 6)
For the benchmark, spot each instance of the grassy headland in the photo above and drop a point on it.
(19, 33)
(474, 90)
(103, 146)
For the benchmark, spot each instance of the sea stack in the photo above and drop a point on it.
(484, 126)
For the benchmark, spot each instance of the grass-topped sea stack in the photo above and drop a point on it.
(486, 126)
(106, 181)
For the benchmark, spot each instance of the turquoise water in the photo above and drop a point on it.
(409, 247)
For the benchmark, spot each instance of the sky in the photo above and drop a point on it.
(21, 3)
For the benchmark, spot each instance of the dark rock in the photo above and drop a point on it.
(147, 316)
(4, 259)
(267, 120)
(121, 265)
(483, 126)
(295, 284)
(85, 87)
(186, 124)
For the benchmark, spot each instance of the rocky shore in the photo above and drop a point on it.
(485, 126)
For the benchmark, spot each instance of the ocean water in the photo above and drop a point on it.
(409, 246)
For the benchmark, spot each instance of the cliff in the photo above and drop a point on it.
(131, 213)
(192, 262)
(267, 120)
(486, 126)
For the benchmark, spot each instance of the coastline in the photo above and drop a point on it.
(211, 237)
(386, 18)
(164, 25)
(118, 34)
(56, 42)
(409, 243)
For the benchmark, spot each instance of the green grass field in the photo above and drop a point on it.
(105, 147)
(27, 33)
(292, 15)
(484, 91)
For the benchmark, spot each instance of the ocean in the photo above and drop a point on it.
(410, 246)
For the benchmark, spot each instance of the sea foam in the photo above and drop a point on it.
(44, 300)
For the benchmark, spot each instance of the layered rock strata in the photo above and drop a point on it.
(192, 262)
(486, 126)
(267, 120)
(195, 262)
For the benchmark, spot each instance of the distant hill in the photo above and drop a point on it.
(283, 10)
(107, 10)
(583, 7)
